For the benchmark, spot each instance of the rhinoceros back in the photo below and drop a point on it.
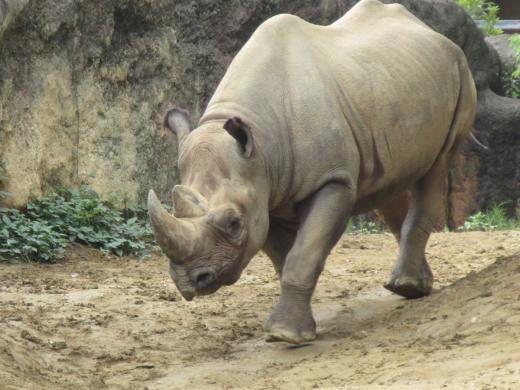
(369, 98)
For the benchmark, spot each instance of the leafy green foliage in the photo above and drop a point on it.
(75, 215)
(483, 10)
(488, 12)
(491, 20)
(3, 179)
(511, 82)
(511, 86)
(494, 219)
(514, 42)
(21, 237)
(364, 224)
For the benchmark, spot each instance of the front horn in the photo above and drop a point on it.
(175, 236)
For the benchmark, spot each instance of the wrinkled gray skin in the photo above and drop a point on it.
(309, 126)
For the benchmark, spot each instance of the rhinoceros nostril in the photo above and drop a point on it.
(204, 279)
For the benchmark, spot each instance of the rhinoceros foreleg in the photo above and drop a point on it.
(323, 219)
(280, 240)
(412, 276)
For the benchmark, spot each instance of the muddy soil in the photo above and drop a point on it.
(96, 322)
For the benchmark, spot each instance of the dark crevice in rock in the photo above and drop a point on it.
(76, 66)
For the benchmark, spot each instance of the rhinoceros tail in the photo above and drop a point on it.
(475, 140)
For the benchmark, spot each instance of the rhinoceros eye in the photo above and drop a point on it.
(228, 222)
(234, 227)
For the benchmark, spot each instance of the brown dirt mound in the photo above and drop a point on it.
(93, 322)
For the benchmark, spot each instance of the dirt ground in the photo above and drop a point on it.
(93, 322)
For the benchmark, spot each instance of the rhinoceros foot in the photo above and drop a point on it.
(291, 320)
(409, 287)
(407, 282)
(289, 336)
(285, 332)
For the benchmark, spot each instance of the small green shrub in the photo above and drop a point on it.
(494, 219)
(511, 82)
(483, 10)
(73, 215)
(511, 86)
(26, 239)
(363, 224)
(488, 11)
(491, 20)
(3, 179)
(514, 42)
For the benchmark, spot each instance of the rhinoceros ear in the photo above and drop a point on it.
(177, 120)
(241, 133)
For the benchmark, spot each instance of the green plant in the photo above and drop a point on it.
(491, 19)
(4, 194)
(483, 10)
(3, 179)
(488, 12)
(514, 42)
(23, 238)
(511, 85)
(495, 218)
(75, 215)
(363, 224)
(511, 81)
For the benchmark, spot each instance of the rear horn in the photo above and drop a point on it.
(175, 236)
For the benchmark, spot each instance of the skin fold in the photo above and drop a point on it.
(309, 126)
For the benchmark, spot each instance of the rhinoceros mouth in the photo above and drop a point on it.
(188, 295)
(210, 289)
(231, 280)
(224, 279)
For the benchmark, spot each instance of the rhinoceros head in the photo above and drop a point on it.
(219, 219)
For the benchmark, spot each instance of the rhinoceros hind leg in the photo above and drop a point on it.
(406, 283)
(412, 276)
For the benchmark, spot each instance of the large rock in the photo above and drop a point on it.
(499, 123)
(82, 84)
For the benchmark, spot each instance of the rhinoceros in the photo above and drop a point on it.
(309, 126)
